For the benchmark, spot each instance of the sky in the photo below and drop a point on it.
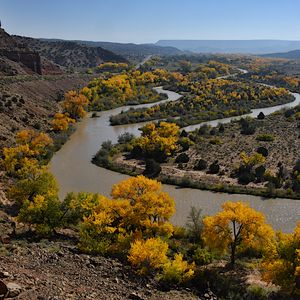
(147, 21)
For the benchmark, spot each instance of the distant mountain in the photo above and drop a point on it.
(232, 46)
(70, 54)
(129, 50)
(295, 54)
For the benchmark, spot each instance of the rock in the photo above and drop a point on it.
(3, 290)
(135, 296)
(209, 295)
(4, 274)
(5, 239)
(13, 289)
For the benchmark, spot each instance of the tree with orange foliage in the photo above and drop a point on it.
(148, 255)
(22, 159)
(150, 208)
(37, 141)
(75, 104)
(138, 208)
(61, 122)
(237, 227)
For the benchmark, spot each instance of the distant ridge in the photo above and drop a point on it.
(295, 54)
(232, 46)
(70, 54)
(128, 50)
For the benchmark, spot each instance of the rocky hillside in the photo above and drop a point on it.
(55, 270)
(69, 54)
(27, 101)
(16, 58)
(130, 50)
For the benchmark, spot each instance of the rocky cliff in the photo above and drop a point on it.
(11, 51)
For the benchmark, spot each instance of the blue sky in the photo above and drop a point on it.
(146, 21)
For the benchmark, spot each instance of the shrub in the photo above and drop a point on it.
(101, 158)
(43, 212)
(213, 131)
(201, 165)
(203, 129)
(221, 128)
(152, 168)
(203, 256)
(107, 145)
(288, 113)
(182, 158)
(263, 151)
(41, 183)
(246, 127)
(261, 116)
(214, 168)
(183, 133)
(177, 271)
(125, 138)
(260, 172)
(215, 141)
(148, 255)
(194, 224)
(261, 291)
(297, 166)
(245, 177)
(185, 143)
(265, 138)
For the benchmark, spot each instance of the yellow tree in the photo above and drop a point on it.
(75, 104)
(20, 159)
(37, 141)
(281, 264)
(138, 209)
(61, 122)
(38, 182)
(159, 141)
(43, 212)
(237, 227)
(148, 255)
(252, 160)
(150, 209)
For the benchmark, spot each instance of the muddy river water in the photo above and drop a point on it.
(74, 171)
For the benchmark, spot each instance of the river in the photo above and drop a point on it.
(74, 171)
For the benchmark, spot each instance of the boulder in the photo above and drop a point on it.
(3, 290)
(13, 289)
(4, 274)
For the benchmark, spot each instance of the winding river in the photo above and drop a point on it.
(74, 171)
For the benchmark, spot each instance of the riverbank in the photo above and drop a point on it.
(276, 134)
(75, 173)
(185, 179)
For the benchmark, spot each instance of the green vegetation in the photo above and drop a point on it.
(127, 88)
(207, 100)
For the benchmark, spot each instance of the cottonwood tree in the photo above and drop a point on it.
(237, 227)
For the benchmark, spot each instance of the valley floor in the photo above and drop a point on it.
(226, 148)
